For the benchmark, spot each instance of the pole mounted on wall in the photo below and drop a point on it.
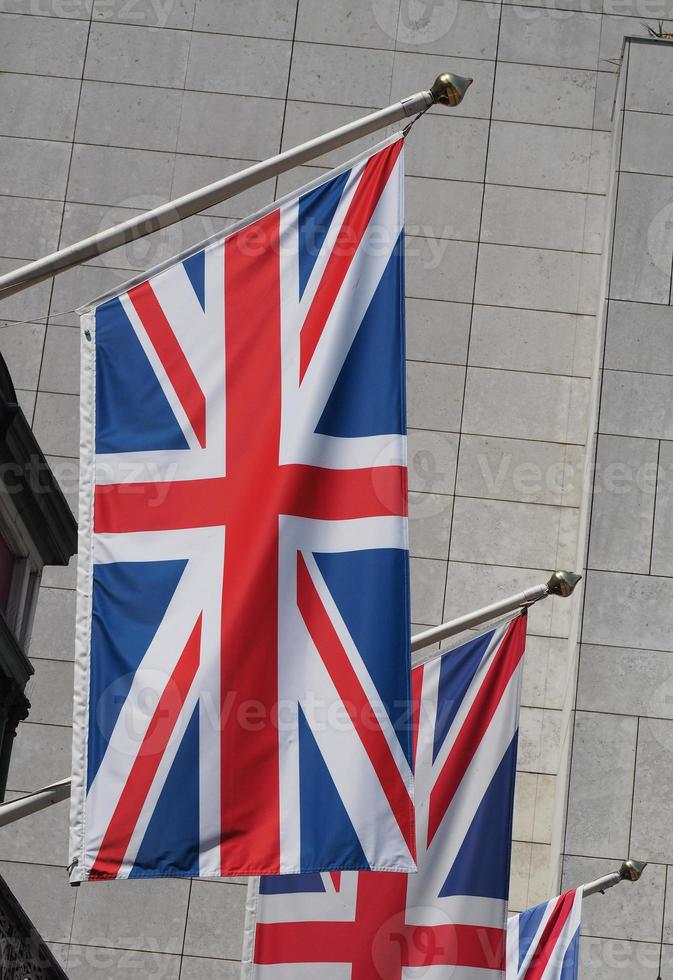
(629, 871)
(447, 89)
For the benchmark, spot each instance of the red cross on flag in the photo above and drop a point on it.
(240, 700)
(449, 919)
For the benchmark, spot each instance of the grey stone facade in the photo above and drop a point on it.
(110, 106)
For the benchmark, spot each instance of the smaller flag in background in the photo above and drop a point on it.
(543, 943)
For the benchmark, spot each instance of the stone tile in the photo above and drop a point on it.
(601, 783)
(30, 227)
(434, 396)
(200, 968)
(626, 681)
(532, 340)
(129, 115)
(448, 146)
(209, 906)
(511, 533)
(32, 168)
(103, 963)
(429, 525)
(116, 176)
(21, 348)
(41, 838)
(38, 106)
(643, 246)
(668, 917)
(223, 63)
(542, 218)
(437, 331)
(623, 391)
(139, 55)
(614, 959)
(442, 208)
(459, 28)
(256, 17)
(623, 506)
(432, 460)
(551, 157)
(647, 145)
(146, 13)
(606, 90)
(649, 72)
(248, 129)
(31, 304)
(56, 424)
(540, 874)
(413, 70)
(76, 287)
(150, 916)
(41, 755)
(471, 586)
(42, 45)
(514, 404)
(544, 95)
(623, 912)
(539, 279)
(45, 895)
(348, 22)
(519, 876)
(53, 634)
(628, 610)
(523, 470)
(58, 577)
(360, 76)
(653, 795)
(50, 692)
(547, 672)
(440, 269)
(544, 38)
(662, 562)
(60, 366)
(539, 740)
(428, 577)
(613, 31)
(26, 402)
(639, 337)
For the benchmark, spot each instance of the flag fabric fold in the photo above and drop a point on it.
(240, 698)
(543, 943)
(450, 917)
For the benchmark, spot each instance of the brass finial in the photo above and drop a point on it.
(449, 89)
(563, 583)
(632, 870)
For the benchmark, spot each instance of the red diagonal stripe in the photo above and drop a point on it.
(374, 178)
(172, 357)
(550, 934)
(144, 769)
(355, 701)
(478, 719)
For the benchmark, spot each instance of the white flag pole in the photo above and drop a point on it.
(447, 89)
(561, 584)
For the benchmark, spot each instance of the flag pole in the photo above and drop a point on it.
(629, 871)
(560, 584)
(447, 89)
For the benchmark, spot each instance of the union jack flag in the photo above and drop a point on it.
(452, 913)
(243, 619)
(543, 943)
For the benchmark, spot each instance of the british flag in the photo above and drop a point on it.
(243, 610)
(543, 943)
(448, 919)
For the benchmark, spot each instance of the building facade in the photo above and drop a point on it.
(538, 283)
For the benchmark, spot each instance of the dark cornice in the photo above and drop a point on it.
(29, 484)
